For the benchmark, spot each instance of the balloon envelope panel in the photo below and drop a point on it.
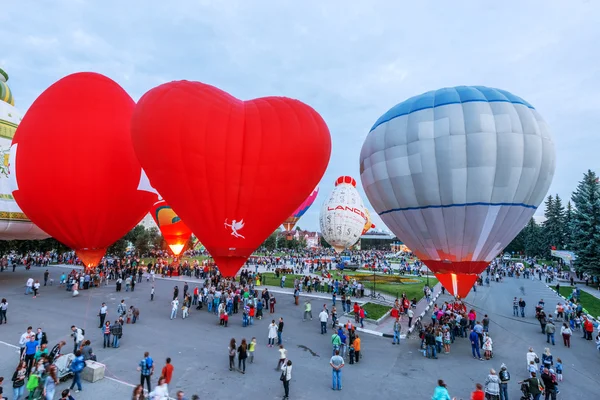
(456, 173)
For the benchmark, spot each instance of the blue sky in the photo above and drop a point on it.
(350, 60)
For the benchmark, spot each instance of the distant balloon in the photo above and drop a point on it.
(172, 228)
(456, 173)
(75, 173)
(368, 223)
(343, 217)
(289, 223)
(219, 165)
(14, 224)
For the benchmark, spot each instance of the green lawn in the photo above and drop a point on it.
(270, 279)
(375, 311)
(396, 289)
(590, 303)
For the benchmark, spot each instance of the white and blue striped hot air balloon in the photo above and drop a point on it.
(456, 173)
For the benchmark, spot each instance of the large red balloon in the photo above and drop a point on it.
(217, 161)
(77, 176)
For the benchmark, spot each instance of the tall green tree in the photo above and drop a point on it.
(553, 227)
(569, 227)
(586, 233)
(534, 241)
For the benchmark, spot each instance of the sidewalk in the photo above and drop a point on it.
(589, 290)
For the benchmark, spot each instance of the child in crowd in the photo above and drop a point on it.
(351, 353)
(251, 349)
(559, 369)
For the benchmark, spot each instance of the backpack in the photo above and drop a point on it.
(149, 362)
(82, 331)
(504, 375)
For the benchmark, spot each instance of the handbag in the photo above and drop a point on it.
(536, 360)
(282, 377)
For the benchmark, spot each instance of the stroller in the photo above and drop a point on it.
(63, 366)
(526, 393)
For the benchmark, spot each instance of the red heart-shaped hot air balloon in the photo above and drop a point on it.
(74, 171)
(217, 161)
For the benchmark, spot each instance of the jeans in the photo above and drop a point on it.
(323, 327)
(286, 388)
(147, 379)
(242, 364)
(431, 351)
(336, 379)
(504, 391)
(307, 314)
(279, 337)
(76, 346)
(550, 336)
(173, 313)
(396, 337)
(251, 320)
(76, 381)
(475, 349)
(2, 316)
(516, 311)
(550, 394)
(107, 340)
(50, 394)
(115, 341)
(522, 312)
(18, 392)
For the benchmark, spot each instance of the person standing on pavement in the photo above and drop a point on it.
(117, 331)
(286, 377)
(78, 336)
(24, 339)
(504, 378)
(29, 286)
(3, 310)
(515, 307)
(46, 275)
(30, 349)
(356, 344)
(272, 333)
(396, 331)
(282, 357)
(565, 331)
(77, 365)
(279, 330)
(146, 368)
(102, 314)
(106, 334)
(410, 314)
(474, 338)
(550, 329)
(440, 392)
(534, 385)
(492, 386)
(174, 307)
(307, 310)
(167, 371)
(361, 315)
(323, 317)
(522, 306)
(232, 349)
(549, 385)
(337, 363)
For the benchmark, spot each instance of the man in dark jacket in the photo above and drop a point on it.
(474, 338)
(549, 384)
(430, 343)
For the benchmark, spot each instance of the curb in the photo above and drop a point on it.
(596, 320)
(420, 317)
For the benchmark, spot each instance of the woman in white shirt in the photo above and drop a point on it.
(160, 392)
(531, 356)
(286, 376)
(566, 333)
(272, 333)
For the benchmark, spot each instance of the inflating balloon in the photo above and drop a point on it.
(291, 221)
(220, 167)
(343, 217)
(173, 229)
(456, 173)
(73, 167)
(14, 224)
(368, 223)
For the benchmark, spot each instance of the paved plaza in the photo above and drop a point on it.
(198, 345)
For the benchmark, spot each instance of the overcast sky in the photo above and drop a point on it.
(350, 60)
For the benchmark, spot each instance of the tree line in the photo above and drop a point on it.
(574, 226)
